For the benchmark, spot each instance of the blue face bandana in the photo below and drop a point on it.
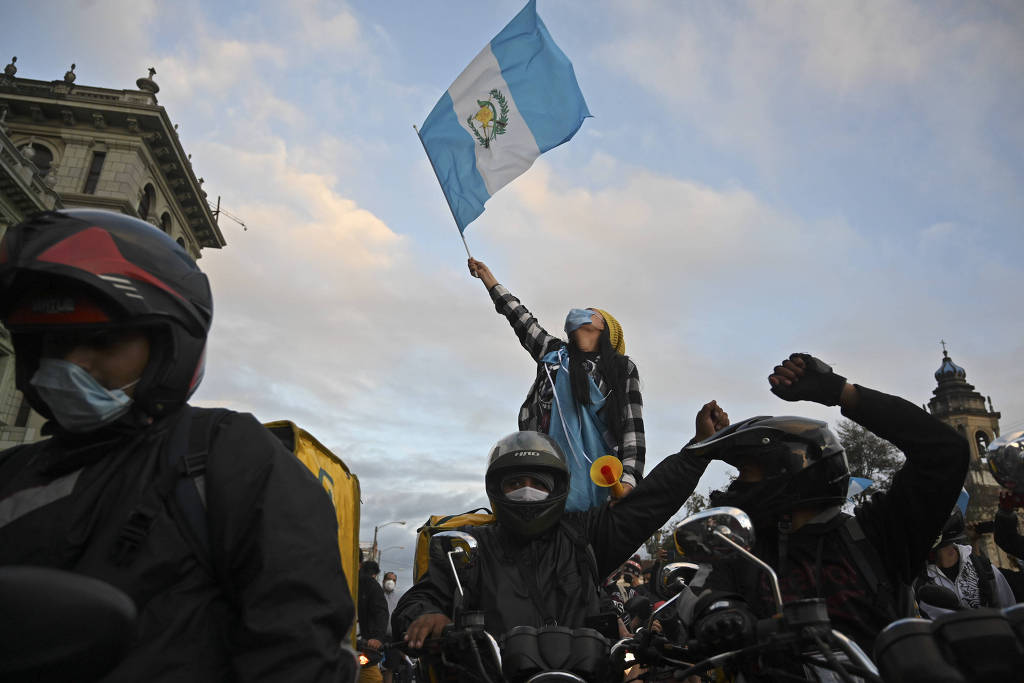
(78, 402)
(577, 318)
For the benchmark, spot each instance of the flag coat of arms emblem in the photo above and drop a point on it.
(517, 99)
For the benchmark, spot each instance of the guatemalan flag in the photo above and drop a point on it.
(517, 99)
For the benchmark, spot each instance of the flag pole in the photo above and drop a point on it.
(442, 190)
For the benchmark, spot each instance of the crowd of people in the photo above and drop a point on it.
(228, 547)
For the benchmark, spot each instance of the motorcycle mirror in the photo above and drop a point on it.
(675, 576)
(722, 533)
(59, 626)
(459, 546)
(705, 536)
(460, 549)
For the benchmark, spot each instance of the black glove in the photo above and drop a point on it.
(818, 384)
(727, 624)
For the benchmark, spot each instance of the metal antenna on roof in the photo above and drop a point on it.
(218, 211)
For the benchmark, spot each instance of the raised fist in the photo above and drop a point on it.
(802, 377)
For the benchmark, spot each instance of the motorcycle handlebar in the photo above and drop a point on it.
(860, 664)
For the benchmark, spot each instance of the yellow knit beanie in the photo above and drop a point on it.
(614, 331)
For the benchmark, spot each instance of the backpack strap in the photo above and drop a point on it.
(586, 560)
(986, 580)
(196, 430)
(865, 556)
(586, 564)
(140, 520)
(180, 480)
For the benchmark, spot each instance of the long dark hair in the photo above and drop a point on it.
(612, 367)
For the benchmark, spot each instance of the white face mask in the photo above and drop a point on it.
(389, 585)
(527, 494)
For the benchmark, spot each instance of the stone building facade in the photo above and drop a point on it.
(955, 402)
(23, 191)
(65, 145)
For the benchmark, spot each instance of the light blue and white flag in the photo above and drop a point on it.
(516, 99)
(962, 500)
(857, 486)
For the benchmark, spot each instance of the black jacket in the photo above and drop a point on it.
(373, 609)
(283, 605)
(553, 579)
(900, 526)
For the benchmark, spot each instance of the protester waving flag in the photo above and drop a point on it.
(516, 99)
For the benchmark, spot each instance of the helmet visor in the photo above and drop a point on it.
(784, 457)
(533, 479)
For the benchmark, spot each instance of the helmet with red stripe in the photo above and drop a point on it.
(82, 269)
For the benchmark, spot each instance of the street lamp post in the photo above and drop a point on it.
(374, 552)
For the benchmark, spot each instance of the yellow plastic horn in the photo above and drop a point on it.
(606, 472)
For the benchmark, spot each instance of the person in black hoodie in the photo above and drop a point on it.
(1009, 539)
(538, 565)
(793, 478)
(372, 615)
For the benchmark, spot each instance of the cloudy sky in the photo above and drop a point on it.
(758, 178)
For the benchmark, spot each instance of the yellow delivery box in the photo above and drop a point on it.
(341, 484)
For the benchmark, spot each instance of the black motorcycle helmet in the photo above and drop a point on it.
(84, 269)
(803, 463)
(532, 453)
(953, 531)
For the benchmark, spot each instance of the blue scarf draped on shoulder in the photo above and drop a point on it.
(578, 430)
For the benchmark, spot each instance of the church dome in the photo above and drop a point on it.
(949, 370)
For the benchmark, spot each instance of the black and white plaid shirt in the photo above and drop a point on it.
(535, 413)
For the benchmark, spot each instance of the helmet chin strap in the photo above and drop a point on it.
(131, 384)
(785, 529)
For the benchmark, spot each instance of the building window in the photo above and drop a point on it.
(981, 438)
(181, 242)
(40, 156)
(165, 222)
(94, 172)
(146, 203)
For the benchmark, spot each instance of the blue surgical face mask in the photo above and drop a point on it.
(577, 318)
(78, 402)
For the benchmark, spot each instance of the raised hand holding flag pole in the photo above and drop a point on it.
(516, 100)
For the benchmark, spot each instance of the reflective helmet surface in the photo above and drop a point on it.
(1005, 458)
(803, 461)
(120, 272)
(523, 453)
